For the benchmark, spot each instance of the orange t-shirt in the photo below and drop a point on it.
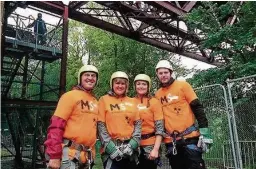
(119, 114)
(175, 100)
(80, 110)
(148, 116)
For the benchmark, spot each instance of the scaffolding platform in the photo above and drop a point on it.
(20, 40)
(38, 52)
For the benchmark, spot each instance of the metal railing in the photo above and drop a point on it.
(21, 28)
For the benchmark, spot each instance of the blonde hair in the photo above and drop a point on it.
(118, 79)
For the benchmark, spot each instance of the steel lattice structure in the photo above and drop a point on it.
(152, 22)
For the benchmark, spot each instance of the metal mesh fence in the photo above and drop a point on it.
(243, 99)
(215, 105)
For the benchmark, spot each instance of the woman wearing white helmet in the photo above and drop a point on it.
(152, 130)
(119, 125)
(72, 133)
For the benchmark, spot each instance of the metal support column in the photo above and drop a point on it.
(34, 154)
(3, 28)
(64, 52)
(25, 74)
(42, 80)
(35, 138)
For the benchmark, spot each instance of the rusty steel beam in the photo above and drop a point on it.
(28, 102)
(54, 4)
(128, 23)
(173, 49)
(178, 4)
(167, 7)
(72, 4)
(120, 20)
(25, 76)
(15, 70)
(126, 9)
(48, 6)
(143, 26)
(42, 81)
(85, 18)
(77, 4)
(63, 70)
(188, 6)
(88, 19)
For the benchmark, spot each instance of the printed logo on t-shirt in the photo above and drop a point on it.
(169, 98)
(141, 107)
(120, 106)
(88, 106)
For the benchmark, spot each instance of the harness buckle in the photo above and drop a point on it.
(118, 158)
(119, 142)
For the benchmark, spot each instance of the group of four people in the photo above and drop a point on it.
(130, 129)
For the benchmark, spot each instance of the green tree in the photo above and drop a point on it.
(234, 43)
(110, 52)
(76, 51)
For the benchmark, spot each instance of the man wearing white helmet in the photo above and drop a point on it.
(72, 135)
(181, 108)
(119, 125)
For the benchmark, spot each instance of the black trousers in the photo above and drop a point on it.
(122, 164)
(145, 163)
(188, 156)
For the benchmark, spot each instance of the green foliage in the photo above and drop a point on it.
(110, 53)
(234, 43)
(76, 51)
(51, 80)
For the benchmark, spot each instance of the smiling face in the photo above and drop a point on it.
(120, 86)
(164, 75)
(88, 80)
(141, 87)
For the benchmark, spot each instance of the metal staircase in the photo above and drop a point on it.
(10, 67)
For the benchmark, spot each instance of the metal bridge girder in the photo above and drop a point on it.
(127, 30)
